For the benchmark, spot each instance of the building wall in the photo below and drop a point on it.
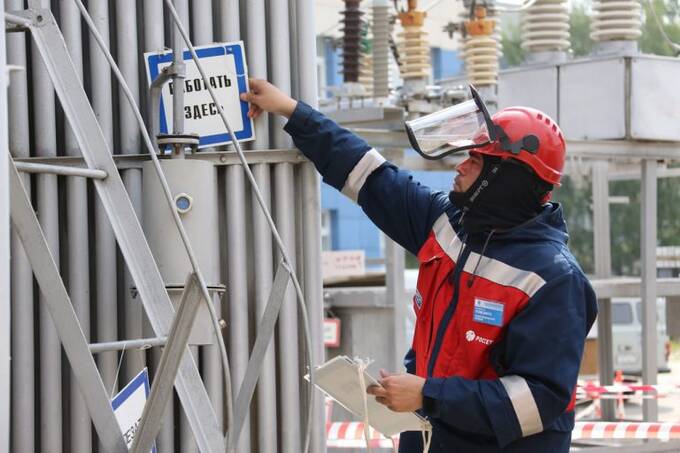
(351, 229)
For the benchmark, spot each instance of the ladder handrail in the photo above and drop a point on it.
(128, 231)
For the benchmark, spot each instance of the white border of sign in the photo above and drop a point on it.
(139, 383)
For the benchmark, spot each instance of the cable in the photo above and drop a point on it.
(267, 214)
(508, 8)
(674, 45)
(171, 204)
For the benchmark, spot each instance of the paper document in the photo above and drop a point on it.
(339, 378)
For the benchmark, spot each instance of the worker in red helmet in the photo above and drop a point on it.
(502, 307)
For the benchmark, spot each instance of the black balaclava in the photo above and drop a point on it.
(507, 193)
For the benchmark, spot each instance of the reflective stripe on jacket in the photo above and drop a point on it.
(501, 324)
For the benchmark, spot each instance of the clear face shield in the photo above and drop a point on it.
(457, 128)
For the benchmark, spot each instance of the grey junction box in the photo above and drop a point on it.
(602, 98)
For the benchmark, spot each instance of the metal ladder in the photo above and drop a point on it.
(176, 366)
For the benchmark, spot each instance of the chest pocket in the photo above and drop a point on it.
(481, 320)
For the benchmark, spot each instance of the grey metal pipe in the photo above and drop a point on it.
(256, 48)
(289, 379)
(44, 120)
(202, 25)
(289, 376)
(210, 355)
(311, 208)
(267, 403)
(105, 251)
(30, 167)
(141, 343)
(279, 51)
(187, 442)
(23, 306)
(648, 241)
(78, 235)
(178, 61)
(130, 143)
(153, 41)
(5, 308)
(230, 27)
(237, 280)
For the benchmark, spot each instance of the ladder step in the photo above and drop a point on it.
(29, 167)
(141, 343)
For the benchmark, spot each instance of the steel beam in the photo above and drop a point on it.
(648, 236)
(5, 246)
(142, 343)
(603, 269)
(175, 350)
(27, 167)
(265, 334)
(59, 306)
(123, 219)
(394, 286)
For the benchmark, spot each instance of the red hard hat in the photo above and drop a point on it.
(519, 124)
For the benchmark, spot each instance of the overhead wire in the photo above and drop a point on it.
(270, 221)
(169, 198)
(670, 42)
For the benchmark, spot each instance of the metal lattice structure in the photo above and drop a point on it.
(245, 232)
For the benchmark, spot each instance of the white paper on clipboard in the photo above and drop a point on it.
(339, 379)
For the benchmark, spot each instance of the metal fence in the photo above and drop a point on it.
(47, 412)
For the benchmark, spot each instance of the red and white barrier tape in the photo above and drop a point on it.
(626, 430)
(591, 388)
(351, 434)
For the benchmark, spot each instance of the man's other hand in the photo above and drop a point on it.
(399, 392)
(265, 97)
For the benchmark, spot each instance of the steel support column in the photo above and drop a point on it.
(394, 283)
(5, 310)
(603, 269)
(648, 224)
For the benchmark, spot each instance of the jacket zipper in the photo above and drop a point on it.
(448, 315)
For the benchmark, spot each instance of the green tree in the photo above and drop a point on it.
(579, 30)
(653, 40)
(511, 41)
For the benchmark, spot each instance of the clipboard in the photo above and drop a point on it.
(339, 379)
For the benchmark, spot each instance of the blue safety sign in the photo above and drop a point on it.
(128, 406)
(488, 312)
(226, 70)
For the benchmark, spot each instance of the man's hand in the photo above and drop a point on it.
(265, 97)
(399, 392)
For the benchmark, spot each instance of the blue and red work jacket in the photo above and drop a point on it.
(501, 319)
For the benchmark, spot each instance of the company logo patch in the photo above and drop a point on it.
(471, 336)
(418, 299)
(488, 312)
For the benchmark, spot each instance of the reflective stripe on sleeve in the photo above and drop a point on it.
(524, 404)
(361, 171)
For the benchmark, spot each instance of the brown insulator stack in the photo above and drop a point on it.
(351, 41)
